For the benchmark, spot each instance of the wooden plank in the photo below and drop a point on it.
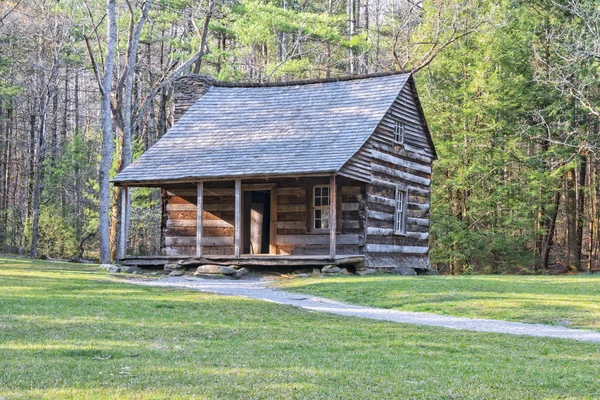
(273, 222)
(332, 215)
(200, 208)
(238, 218)
(207, 207)
(313, 239)
(258, 186)
(292, 208)
(291, 191)
(216, 192)
(192, 223)
(191, 241)
(291, 225)
(388, 248)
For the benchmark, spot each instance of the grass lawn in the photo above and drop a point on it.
(72, 331)
(570, 301)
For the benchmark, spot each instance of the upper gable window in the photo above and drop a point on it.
(399, 129)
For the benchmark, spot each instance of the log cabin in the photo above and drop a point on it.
(332, 171)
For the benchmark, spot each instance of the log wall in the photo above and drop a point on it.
(218, 219)
(409, 167)
(294, 218)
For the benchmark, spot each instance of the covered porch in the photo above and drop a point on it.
(275, 221)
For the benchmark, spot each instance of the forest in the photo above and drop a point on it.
(510, 89)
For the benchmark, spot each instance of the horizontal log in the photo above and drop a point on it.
(315, 239)
(383, 143)
(401, 162)
(417, 221)
(380, 215)
(379, 231)
(351, 190)
(417, 235)
(405, 176)
(388, 248)
(388, 232)
(191, 241)
(382, 183)
(350, 206)
(350, 224)
(418, 191)
(381, 200)
(417, 206)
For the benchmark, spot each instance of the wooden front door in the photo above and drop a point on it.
(256, 221)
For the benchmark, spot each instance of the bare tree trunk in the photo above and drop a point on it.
(571, 213)
(548, 239)
(37, 188)
(593, 207)
(581, 204)
(107, 133)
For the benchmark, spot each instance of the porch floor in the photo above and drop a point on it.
(249, 260)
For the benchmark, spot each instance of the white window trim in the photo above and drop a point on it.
(400, 210)
(322, 208)
(401, 126)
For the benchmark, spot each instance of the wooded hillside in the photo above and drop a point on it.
(510, 90)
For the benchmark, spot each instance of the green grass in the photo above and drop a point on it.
(570, 301)
(71, 331)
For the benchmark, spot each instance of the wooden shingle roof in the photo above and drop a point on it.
(274, 130)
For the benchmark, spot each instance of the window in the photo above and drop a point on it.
(321, 207)
(400, 213)
(399, 132)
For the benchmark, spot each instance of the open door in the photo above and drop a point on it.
(256, 221)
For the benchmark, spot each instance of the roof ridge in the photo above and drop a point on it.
(307, 81)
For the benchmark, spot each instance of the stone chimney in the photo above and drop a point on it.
(186, 90)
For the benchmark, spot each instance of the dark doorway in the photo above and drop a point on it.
(257, 211)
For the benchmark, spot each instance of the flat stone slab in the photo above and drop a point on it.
(257, 289)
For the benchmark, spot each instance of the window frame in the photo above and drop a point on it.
(399, 131)
(401, 198)
(320, 208)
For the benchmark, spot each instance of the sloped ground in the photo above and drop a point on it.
(74, 332)
(258, 289)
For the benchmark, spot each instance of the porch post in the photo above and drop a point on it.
(199, 212)
(238, 218)
(124, 222)
(332, 216)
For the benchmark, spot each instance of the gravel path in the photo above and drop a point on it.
(258, 289)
